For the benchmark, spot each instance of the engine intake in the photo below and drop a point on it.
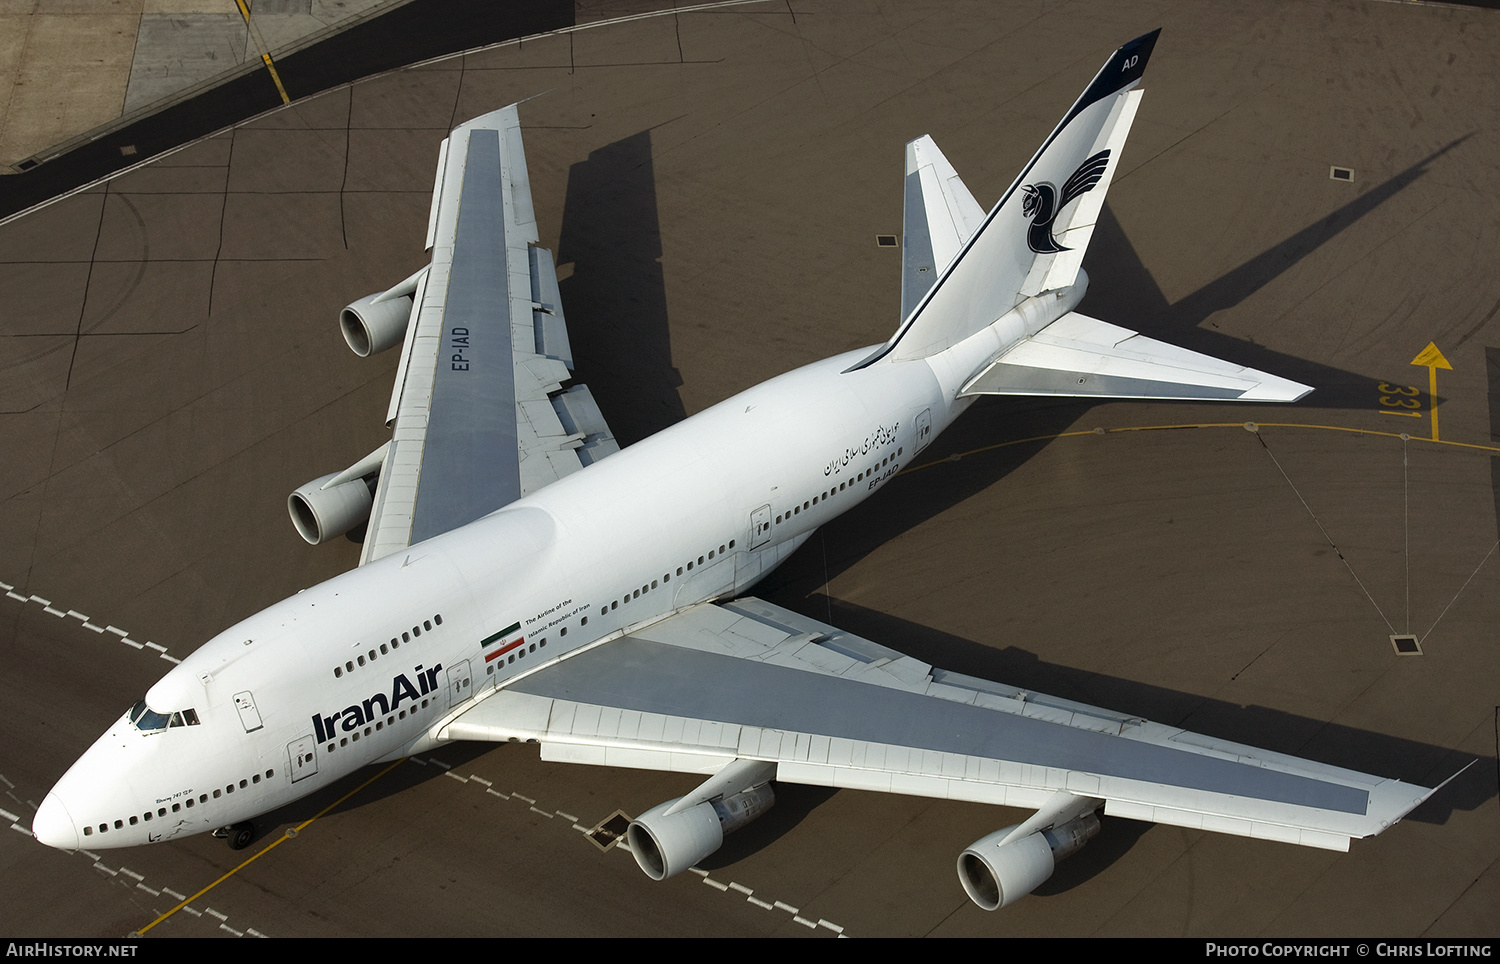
(371, 326)
(996, 873)
(665, 843)
(320, 514)
(332, 505)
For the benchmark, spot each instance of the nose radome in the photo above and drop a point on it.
(53, 825)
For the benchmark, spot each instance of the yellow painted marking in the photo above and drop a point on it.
(265, 55)
(1386, 411)
(1432, 359)
(1162, 428)
(271, 846)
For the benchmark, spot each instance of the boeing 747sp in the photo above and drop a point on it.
(524, 578)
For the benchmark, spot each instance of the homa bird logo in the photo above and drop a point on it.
(1042, 204)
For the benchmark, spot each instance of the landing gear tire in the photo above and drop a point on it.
(239, 835)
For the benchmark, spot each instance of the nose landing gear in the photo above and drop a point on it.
(239, 835)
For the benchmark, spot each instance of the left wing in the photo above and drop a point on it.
(722, 686)
(478, 415)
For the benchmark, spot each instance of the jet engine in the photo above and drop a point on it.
(332, 505)
(372, 326)
(376, 322)
(666, 842)
(997, 872)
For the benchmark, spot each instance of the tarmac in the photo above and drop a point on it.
(713, 183)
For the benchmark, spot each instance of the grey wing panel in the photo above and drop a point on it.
(470, 462)
(747, 680)
(479, 414)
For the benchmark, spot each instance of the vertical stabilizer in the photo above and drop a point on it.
(1033, 240)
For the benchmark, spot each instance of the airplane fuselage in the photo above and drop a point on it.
(372, 664)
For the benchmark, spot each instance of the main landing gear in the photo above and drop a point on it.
(239, 835)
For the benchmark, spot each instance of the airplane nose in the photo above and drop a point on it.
(53, 825)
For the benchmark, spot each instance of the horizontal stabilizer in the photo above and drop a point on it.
(941, 215)
(1083, 356)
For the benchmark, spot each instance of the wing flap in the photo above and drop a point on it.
(747, 680)
(1082, 356)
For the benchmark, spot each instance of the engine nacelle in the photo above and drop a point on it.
(665, 844)
(996, 875)
(321, 514)
(370, 327)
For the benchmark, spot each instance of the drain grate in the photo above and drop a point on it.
(611, 831)
(1406, 645)
(1341, 173)
(885, 240)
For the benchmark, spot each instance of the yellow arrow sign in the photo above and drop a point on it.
(1432, 359)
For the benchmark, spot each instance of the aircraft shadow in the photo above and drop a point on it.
(1137, 303)
(615, 300)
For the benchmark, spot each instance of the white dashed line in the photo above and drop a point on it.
(621, 845)
(124, 635)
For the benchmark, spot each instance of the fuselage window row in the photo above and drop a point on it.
(658, 583)
(178, 807)
(386, 649)
(390, 720)
(489, 668)
(824, 496)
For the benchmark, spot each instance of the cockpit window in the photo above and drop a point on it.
(145, 719)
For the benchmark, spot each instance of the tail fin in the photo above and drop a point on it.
(1034, 239)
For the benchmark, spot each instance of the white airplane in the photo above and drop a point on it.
(525, 579)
